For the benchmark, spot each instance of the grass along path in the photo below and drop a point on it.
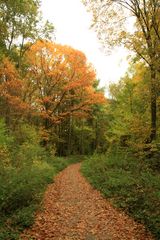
(74, 210)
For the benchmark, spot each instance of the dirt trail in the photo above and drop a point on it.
(74, 210)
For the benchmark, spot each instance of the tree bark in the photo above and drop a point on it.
(69, 135)
(153, 105)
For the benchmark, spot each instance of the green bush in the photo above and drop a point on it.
(22, 187)
(5, 142)
(23, 217)
(21, 191)
(5, 139)
(129, 183)
(25, 170)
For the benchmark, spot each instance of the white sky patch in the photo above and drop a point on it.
(72, 23)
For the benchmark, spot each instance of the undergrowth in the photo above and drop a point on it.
(21, 192)
(130, 184)
(26, 168)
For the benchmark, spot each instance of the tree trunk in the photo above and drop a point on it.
(153, 105)
(81, 139)
(69, 135)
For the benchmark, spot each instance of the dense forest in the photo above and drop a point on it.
(53, 112)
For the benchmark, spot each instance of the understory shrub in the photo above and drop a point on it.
(129, 183)
(20, 193)
(25, 171)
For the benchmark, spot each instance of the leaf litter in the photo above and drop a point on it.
(74, 210)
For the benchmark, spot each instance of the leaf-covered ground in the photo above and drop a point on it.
(74, 210)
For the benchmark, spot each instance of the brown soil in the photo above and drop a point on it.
(74, 210)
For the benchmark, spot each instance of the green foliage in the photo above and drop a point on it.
(27, 149)
(129, 183)
(21, 22)
(22, 186)
(24, 179)
(5, 139)
(21, 191)
(128, 111)
(27, 134)
(5, 142)
(23, 217)
(60, 163)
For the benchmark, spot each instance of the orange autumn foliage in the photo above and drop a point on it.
(61, 81)
(11, 87)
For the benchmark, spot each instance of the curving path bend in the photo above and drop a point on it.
(73, 210)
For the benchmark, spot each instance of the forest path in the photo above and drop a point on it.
(74, 210)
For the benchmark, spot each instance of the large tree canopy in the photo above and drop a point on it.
(21, 22)
(61, 81)
(108, 16)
